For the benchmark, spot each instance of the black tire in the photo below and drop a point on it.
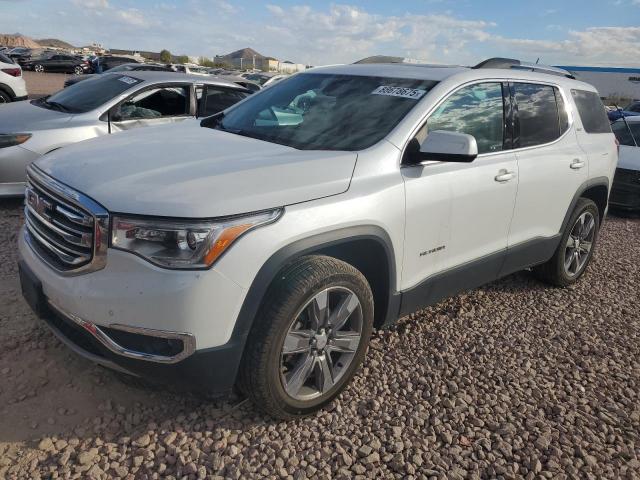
(38, 68)
(78, 70)
(260, 375)
(4, 97)
(554, 272)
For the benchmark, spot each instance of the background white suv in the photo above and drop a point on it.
(12, 85)
(260, 247)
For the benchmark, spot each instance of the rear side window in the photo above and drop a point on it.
(218, 99)
(624, 136)
(538, 114)
(592, 112)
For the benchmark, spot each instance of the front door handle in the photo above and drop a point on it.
(577, 164)
(504, 176)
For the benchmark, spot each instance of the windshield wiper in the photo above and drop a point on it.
(58, 106)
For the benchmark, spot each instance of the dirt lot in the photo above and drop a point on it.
(513, 380)
(41, 84)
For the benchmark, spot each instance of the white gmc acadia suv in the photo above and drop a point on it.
(259, 247)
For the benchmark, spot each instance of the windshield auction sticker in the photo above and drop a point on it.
(128, 80)
(403, 92)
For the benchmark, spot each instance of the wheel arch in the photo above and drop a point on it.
(354, 245)
(596, 189)
(8, 90)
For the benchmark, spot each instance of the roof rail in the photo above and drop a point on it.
(498, 62)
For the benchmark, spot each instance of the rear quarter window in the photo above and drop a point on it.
(592, 112)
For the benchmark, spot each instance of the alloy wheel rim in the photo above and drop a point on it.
(38, 68)
(579, 244)
(321, 343)
(78, 70)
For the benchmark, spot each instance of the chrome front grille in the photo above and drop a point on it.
(65, 228)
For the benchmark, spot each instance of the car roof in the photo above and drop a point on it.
(439, 73)
(156, 77)
(394, 70)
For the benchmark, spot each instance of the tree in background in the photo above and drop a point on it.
(165, 56)
(206, 62)
(182, 59)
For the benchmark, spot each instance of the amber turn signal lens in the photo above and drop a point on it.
(225, 239)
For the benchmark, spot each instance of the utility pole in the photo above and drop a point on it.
(254, 63)
(241, 63)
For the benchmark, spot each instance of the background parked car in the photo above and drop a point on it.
(107, 62)
(625, 191)
(20, 54)
(12, 86)
(125, 67)
(58, 63)
(107, 104)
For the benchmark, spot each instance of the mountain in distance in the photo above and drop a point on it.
(244, 53)
(17, 40)
(54, 42)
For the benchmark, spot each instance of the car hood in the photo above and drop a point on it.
(190, 171)
(23, 117)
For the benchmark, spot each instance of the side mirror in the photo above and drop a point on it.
(448, 147)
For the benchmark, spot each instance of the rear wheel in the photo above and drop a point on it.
(38, 68)
(576, 246)
(310, 339)
(78, 70)
(4, 98)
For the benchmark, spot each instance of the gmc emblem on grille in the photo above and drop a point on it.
(43, 207)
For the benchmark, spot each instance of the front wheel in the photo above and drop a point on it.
(576, 246)
(38, 68)
(78, 70)
(310, 338)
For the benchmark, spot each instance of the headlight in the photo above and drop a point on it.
(183, 243)
(12, 139)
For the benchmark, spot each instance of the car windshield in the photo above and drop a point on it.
(85, 96)
(315, 111)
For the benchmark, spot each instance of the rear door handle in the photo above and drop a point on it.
(504, 176)
(577, 164)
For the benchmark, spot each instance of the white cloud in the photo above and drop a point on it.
(133, 17)
(91, 3)
(225, 7)
(596, 45)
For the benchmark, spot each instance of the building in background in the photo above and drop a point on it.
(616, 84)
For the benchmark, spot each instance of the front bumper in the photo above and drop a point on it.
(159, 324)
(625, 191)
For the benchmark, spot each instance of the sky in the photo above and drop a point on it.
(558, 32)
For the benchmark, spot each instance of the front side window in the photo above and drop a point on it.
(316, 111)
(592, 112)
(475, 110)
(538, 114)
(156, 103)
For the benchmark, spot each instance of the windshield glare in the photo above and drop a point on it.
(315, 111)
(90, 94)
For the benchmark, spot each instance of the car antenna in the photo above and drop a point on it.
(626, 124)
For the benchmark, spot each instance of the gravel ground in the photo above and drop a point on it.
(41, 84)
(513, 380)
